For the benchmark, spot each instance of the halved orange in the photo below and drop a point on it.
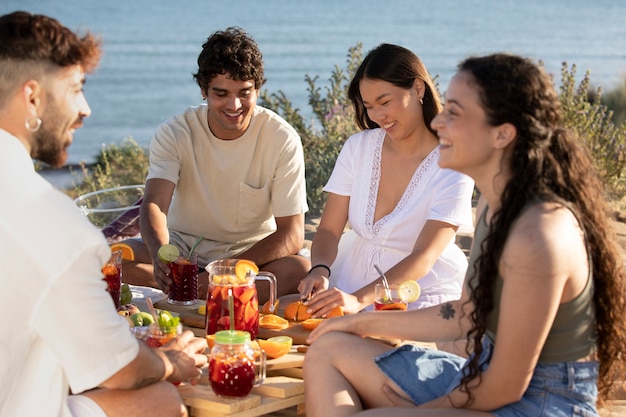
(273, 322)
(275, 347)
(242, 267)
(127, 250)
(296, 311)
(335, 312)
(311, 324)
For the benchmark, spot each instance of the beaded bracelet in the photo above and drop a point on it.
(326, 267)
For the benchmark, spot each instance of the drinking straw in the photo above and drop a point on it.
(195, 245)
(152, 310)
(231, 309)
(385, 282)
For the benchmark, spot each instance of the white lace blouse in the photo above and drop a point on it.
(432, 194)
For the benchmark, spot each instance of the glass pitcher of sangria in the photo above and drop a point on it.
(238, 275)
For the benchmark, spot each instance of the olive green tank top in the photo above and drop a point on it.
(572, 335)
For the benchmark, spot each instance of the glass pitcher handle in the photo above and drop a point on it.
(268, 276)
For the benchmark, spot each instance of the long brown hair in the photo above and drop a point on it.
(549, 163)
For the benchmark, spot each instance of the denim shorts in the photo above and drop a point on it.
(556, 389)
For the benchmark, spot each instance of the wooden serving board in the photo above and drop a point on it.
(295, 330)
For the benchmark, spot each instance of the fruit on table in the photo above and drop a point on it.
(296, 311)
(266, 308)
(142, 319)
(127, 309)
(335, 312)
(127, 250)
(276, 346)
(168, 253)
(274, 322)
(311, 324)
(126, 296)
(409, 291)
(202, 309)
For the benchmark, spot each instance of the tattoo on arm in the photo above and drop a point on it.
(447, 311)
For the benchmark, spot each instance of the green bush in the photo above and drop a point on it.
(116, 165)
(333, 122)
(592, 120)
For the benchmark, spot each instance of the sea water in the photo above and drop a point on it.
(151, 46)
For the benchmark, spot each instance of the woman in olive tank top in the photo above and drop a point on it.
(543, 308)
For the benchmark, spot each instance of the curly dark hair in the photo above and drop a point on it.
(549, 163)
(230, 52)
(400, 67)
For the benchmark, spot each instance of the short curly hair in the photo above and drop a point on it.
(231, 52)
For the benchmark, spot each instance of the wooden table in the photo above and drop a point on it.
(283, 386)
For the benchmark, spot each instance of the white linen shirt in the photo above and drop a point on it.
(60, 329)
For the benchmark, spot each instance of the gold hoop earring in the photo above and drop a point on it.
(30, 126)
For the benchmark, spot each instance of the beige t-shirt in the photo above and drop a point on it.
(229, 191)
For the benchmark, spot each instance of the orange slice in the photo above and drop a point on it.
(210, 340)
(273, 322)
(311, 324)
(277, 346)
(242, 267)
(335, 312)
(127, 250)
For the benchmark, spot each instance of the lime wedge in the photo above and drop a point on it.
(409, 291)
(168, 253)
(283, 340)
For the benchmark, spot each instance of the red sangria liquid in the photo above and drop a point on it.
(184, 288)
(394, 304)
(113, 278)
(246, 308)
(231, 376)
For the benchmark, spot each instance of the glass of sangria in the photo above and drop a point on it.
(184, 274)
(112, 271)
(389, 298)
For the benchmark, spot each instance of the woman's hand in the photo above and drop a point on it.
(312, 284)
(323, 302)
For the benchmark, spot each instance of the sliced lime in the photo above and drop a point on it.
(282, 340)
(409, 291)
(168, 253)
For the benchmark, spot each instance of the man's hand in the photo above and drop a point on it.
(186, 354)
(162, 275)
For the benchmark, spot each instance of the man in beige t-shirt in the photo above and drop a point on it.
(228, 170)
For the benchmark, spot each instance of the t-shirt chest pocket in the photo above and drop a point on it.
(254, 204)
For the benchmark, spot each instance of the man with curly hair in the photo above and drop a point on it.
(228, 170)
